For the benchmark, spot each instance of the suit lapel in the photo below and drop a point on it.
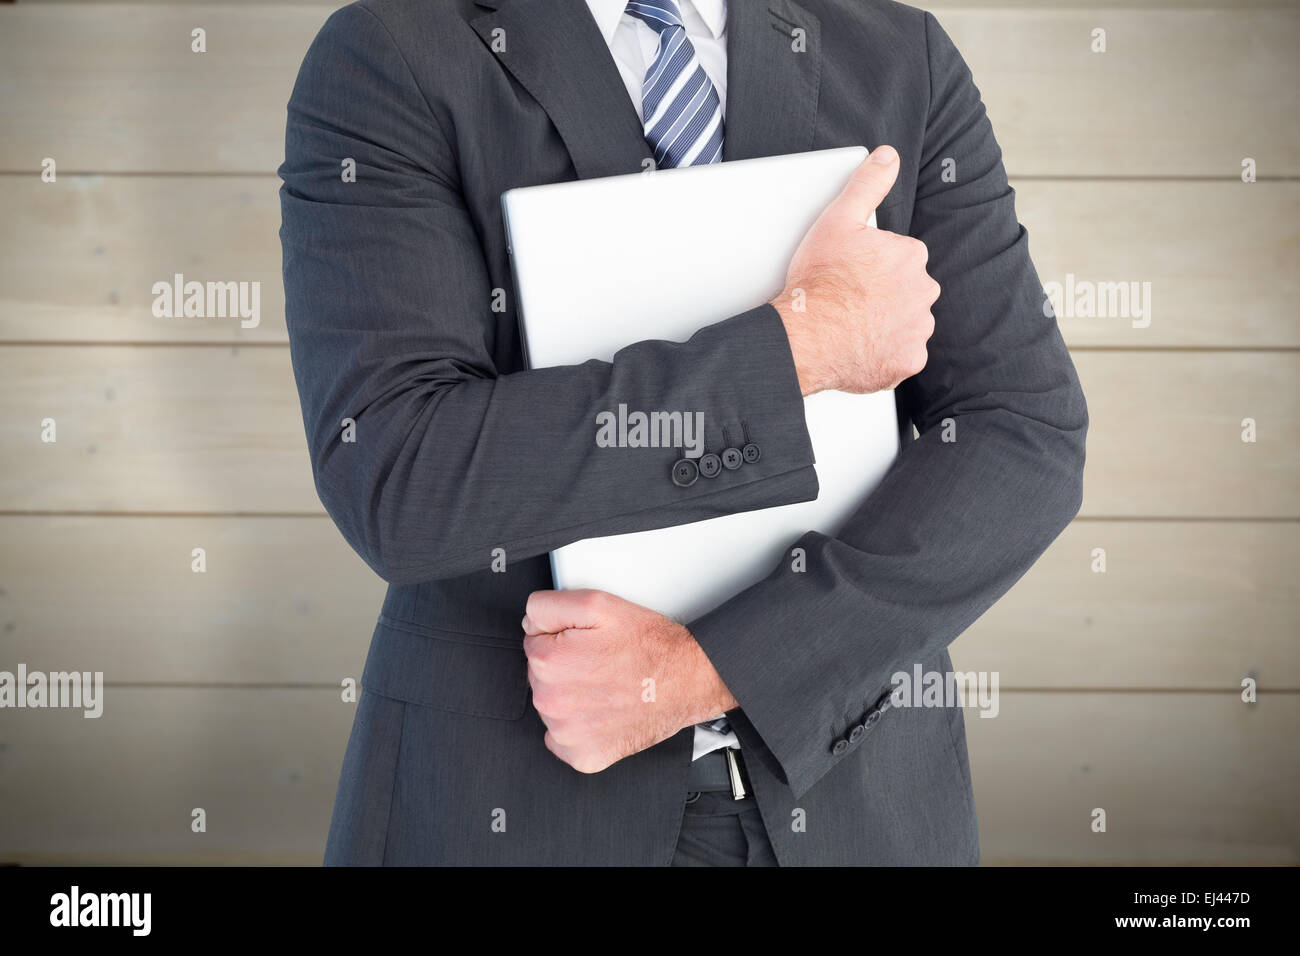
(555, 50)
(771, 88)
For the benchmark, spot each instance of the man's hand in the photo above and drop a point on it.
(611, 678)
(856, 304)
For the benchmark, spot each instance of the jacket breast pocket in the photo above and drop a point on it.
(472, 674)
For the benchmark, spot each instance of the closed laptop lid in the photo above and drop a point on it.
(589, 282)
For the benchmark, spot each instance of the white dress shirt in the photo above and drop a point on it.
(634, 45)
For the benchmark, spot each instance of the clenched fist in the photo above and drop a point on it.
(856, 304)
(611, 678)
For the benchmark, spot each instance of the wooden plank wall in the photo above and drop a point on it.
(1121, 689)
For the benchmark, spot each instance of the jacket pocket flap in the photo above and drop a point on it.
(475, 675)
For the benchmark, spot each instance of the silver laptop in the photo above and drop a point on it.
(577, 254)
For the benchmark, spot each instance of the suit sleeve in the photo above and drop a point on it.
(809, 655)
(391, 328)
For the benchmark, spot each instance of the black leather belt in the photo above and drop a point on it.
(722, 769)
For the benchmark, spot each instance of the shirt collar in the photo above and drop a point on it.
(608, 13)
(713, 13)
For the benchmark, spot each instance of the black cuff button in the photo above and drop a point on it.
(732, 459)
(751, 453)
(685, 472)
(710, 465)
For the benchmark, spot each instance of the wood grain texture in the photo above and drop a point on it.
(117, 89)
(1179, 92)
(178, 429)
(1180, 605)
(283, 600)
(286, 601)
(1165, 437)
(153, 429)
(1120, 690)
(1222, 259)
(80, 257)
(263, 764)
(1183, 778)
(1189, 93)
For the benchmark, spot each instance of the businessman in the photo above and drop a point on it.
(505, 722)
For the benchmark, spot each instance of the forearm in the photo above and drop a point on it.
(446, 467)
(810, 648)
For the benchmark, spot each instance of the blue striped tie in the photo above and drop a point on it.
(681, 111)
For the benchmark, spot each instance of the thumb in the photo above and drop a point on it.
(549, 612)
(867, 188)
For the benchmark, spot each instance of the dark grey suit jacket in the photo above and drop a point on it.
(458, 450)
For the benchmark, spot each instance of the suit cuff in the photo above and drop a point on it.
(808, 713)
(755, 407)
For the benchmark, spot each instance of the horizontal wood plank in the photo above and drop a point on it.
(1187, 89)
(1187, 93)
(286, 601)
(1218, 262)
(1179, 605)
(1179, 92)
(262, 764)
(282, 600)
(1213, 264)
(179, 429)
(1183, 778)
(1165, 434)
(153, 429)
(79, 257)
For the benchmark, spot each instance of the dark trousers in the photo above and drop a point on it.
(718, 830)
